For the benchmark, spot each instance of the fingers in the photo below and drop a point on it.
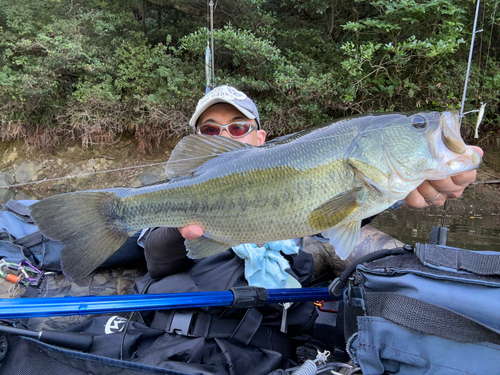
(424, 196)
(466, 178)
(191, 232)
(435, 192)
(449, 188)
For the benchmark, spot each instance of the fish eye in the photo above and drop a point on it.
(419, 122)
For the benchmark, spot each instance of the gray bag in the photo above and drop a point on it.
(20, 238)
(432, 311)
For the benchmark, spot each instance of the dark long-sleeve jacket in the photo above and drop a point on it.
(165, 252)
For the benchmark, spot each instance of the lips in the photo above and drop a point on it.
(451, 134)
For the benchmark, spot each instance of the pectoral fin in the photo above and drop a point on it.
(203, 247)
(333, 211)
(344, 238)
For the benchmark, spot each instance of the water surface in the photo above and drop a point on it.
(470, 227)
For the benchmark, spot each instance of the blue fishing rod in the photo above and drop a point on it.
(238, 297)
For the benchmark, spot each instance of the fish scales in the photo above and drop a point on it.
(263, 197)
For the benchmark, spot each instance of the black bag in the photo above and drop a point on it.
(24, 356)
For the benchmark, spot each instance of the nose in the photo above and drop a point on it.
(225, 133)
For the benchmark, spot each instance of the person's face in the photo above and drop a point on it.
(224, 114)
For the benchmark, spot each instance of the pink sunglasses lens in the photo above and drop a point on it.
(210, 129)
(239, 129)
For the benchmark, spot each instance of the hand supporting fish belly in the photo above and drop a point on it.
(325, 179)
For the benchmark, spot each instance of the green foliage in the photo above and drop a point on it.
(95, 68)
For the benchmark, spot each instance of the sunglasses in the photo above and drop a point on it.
(236, 129)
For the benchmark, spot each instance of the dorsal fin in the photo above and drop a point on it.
(195, 150)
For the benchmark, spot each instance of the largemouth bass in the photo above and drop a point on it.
(322, 180)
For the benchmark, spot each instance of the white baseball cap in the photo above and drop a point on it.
(226, 94)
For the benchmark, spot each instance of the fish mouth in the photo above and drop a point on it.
(457, 156)
(470, 160)
(450, 133)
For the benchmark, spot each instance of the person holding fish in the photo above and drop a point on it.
(325, 179)
(208, 120)
(229, 113)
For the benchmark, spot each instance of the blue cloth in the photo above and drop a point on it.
(265, 266)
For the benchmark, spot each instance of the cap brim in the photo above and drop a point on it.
(210, 103)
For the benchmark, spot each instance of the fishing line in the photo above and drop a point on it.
(149, 165)
(298, 141)
(125, 329)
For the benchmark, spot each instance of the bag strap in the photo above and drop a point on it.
(459, 259)
(23, 213)
(428, 318)
(20, 210)
(245, 331)
(30, 240)
(337, 286)
(199, 324)
(242, 331)
(6, 236)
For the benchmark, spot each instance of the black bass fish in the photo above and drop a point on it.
(322, 180)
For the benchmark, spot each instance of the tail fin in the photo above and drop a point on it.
(86, 223)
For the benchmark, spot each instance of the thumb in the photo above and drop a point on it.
(191, 232)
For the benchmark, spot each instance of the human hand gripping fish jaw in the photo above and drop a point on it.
(438, 188)
(436, 192)
(227, 187)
